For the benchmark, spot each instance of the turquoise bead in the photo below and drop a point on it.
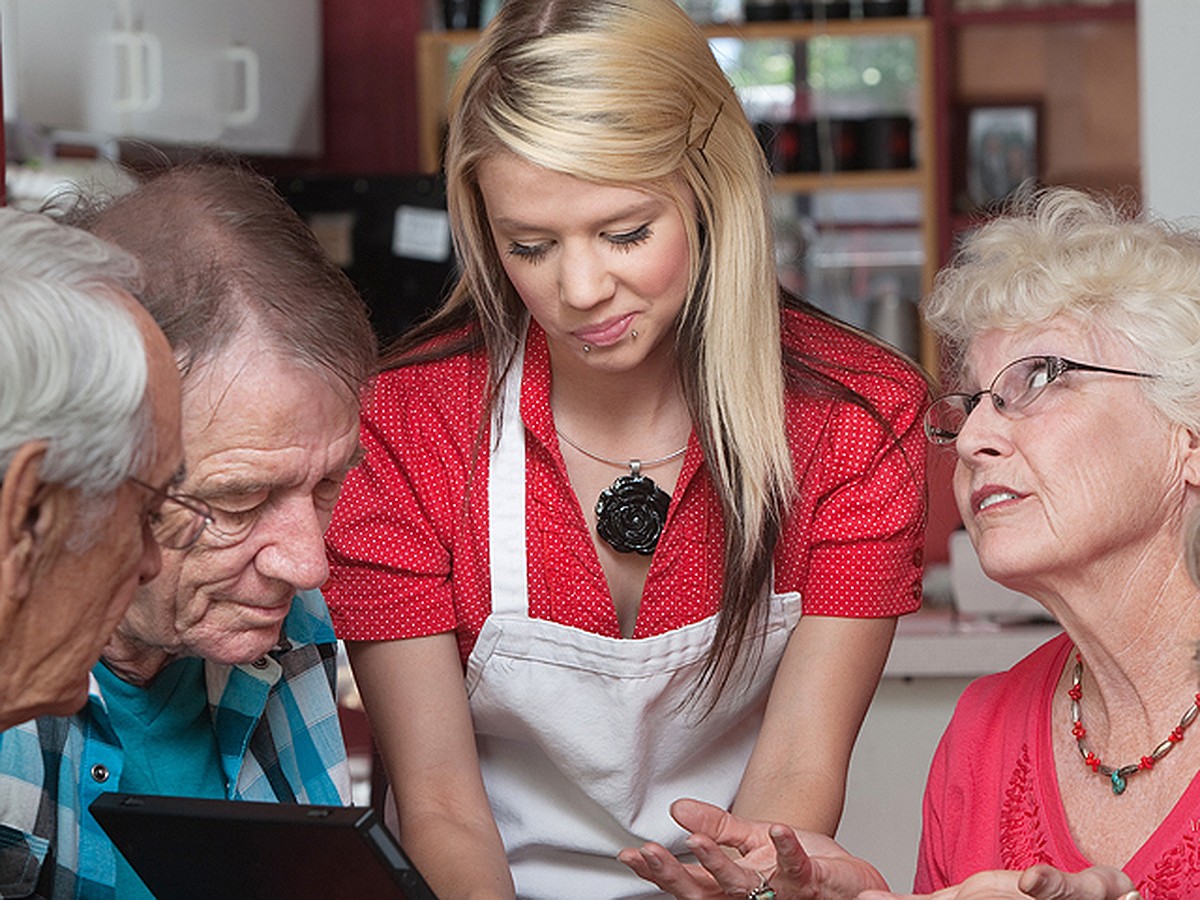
(1118, 783)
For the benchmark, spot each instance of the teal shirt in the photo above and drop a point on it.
(170, 745)
(276, 725)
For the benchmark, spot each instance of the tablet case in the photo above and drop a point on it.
(186, 847)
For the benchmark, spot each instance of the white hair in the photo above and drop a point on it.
(73, 369)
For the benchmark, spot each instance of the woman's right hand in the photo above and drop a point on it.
(796, 865)
(1040, 882)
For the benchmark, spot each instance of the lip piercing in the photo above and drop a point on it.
(633, 334)
(587, 348)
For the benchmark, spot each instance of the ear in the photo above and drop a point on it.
(31, 512)
(1191, 462)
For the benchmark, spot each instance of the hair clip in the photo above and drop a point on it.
(702, 141)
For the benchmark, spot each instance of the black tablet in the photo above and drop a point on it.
(184, 847)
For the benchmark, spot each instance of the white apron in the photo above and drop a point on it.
(581, 740)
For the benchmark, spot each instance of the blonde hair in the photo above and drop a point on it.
(628, 93)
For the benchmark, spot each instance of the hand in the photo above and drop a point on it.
(1040, 882)
(798, 865)
(1097, 883)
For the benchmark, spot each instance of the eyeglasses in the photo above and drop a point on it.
(1013, 390)
(179, 520)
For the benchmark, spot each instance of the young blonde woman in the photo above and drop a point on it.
(661, 517)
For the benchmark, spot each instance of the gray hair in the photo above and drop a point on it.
(1060, 251)
(73, 369)
(221, 251)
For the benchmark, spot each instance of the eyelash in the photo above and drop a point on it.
(625, 241)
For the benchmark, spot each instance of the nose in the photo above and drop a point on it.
(984, 431)
(583, 277)
(293, 550)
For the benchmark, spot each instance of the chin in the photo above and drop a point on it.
(238, 648)
(70, 702)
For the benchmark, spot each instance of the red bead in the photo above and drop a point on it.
(1079, 731)
(1146, 762)
(1075, 692)
(1092, 760)
(1176, 736)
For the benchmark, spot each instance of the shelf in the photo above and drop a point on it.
(882, 179)
(805, 30)
(786, 30)
(1046, 15)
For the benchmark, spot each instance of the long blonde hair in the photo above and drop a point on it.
(627, 92)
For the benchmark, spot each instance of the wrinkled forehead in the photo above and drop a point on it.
(1067, 336)
(257, 358)
(256, 400)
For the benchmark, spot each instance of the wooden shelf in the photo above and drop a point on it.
(806, 30)
(1046, 15)
(875, 180)
(1076, 61)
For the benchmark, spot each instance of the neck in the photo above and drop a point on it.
(134, 661)
(640, 413)
(1138, 645)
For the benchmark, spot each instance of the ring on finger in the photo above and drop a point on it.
(764, 891)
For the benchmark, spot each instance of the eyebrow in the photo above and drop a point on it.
(234, 487)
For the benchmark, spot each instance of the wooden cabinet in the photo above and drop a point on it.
(438, 54)
(1075, 62)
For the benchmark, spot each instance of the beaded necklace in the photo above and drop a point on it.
(1117, 776)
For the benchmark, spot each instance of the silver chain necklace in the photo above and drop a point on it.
(622, 463)
(631, 512)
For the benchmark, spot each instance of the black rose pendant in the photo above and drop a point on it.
(631, 512)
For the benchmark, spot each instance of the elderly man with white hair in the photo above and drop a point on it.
(219, 681)
(89, 443)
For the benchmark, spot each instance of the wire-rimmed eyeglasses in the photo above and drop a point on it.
(1013, 390)
(179, 520)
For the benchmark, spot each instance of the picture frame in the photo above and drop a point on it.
(1002, 149)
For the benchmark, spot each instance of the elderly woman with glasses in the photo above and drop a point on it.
(1072, 334)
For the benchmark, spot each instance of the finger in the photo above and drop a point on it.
(719, 824)
(657, 865)
(633, 859)
(790, 857)
(728, 875)
(1045, 882)
(696, 815)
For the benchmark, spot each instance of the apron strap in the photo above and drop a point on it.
(506, 497)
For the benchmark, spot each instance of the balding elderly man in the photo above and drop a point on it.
(219, 681)
(89, 442)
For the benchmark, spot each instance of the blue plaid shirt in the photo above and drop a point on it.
(277, 733)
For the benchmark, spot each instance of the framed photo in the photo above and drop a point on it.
(1002, 149)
